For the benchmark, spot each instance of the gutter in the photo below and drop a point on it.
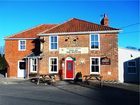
(85, 32)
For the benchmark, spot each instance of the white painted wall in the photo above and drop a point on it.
(124, 55)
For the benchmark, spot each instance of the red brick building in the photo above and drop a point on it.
(68, 48)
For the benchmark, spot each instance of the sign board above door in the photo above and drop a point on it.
(73, 50)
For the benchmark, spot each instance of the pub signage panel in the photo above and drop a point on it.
(105, 61)
(73, 50)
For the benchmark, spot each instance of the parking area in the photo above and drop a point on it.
(21, 92)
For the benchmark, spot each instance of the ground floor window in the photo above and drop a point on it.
(53, 65)
(33, 62)
(95, 65)
(131, 66)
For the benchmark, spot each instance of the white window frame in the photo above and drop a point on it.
(50, 65)
(19, 44)
(98, 41)
(91, 63)
(31, 64)
(50, 43)
(132, 66)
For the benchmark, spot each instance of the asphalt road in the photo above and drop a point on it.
(64, 94)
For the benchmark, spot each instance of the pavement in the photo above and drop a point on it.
(22, 91)
(12, 80)
(125, 86)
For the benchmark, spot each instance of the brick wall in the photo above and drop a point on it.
(12, 55)
(108, 47)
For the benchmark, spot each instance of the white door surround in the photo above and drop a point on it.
(21, 73)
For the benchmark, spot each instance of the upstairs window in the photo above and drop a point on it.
(94, 41)
(131, 66)
(53, 42)
(22, 45)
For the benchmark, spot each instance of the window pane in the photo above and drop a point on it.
(22, 65)
(94, 61)
(51, 38)
(131, 69)
(51, 62)
(96, 38)
(51, 67)
(92, 69)
(92, 44)
(54, 61)
(55, 68)
(22, 47)
(52, 45)
(92, 37)
(55, 39)
(96, 68)
(35, 61)
(69, 66)
(55, 45)
(96, 45)
(34, 68)
(131, 63)
(20, 42)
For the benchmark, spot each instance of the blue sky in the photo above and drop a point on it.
(16, 16)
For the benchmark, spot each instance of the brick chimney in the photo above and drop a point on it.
(105, 20)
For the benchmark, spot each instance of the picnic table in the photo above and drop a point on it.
(93, 77)
(46, 78)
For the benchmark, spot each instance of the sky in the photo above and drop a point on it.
(19, 15)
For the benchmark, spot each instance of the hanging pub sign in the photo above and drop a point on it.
(105, 61)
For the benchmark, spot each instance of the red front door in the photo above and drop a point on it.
(69, 69)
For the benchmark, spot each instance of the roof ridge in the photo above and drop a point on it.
(56, 26)
(129, 49)
(24, 30)
(93, 23)
(76, 19)
(27, 30)
(49, 29)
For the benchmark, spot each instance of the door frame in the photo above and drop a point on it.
(69, 59)
(24, 70)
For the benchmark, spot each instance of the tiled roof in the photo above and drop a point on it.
(77, 25)
(32, 33)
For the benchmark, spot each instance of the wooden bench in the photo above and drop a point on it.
(93, 77)
(47, 78)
